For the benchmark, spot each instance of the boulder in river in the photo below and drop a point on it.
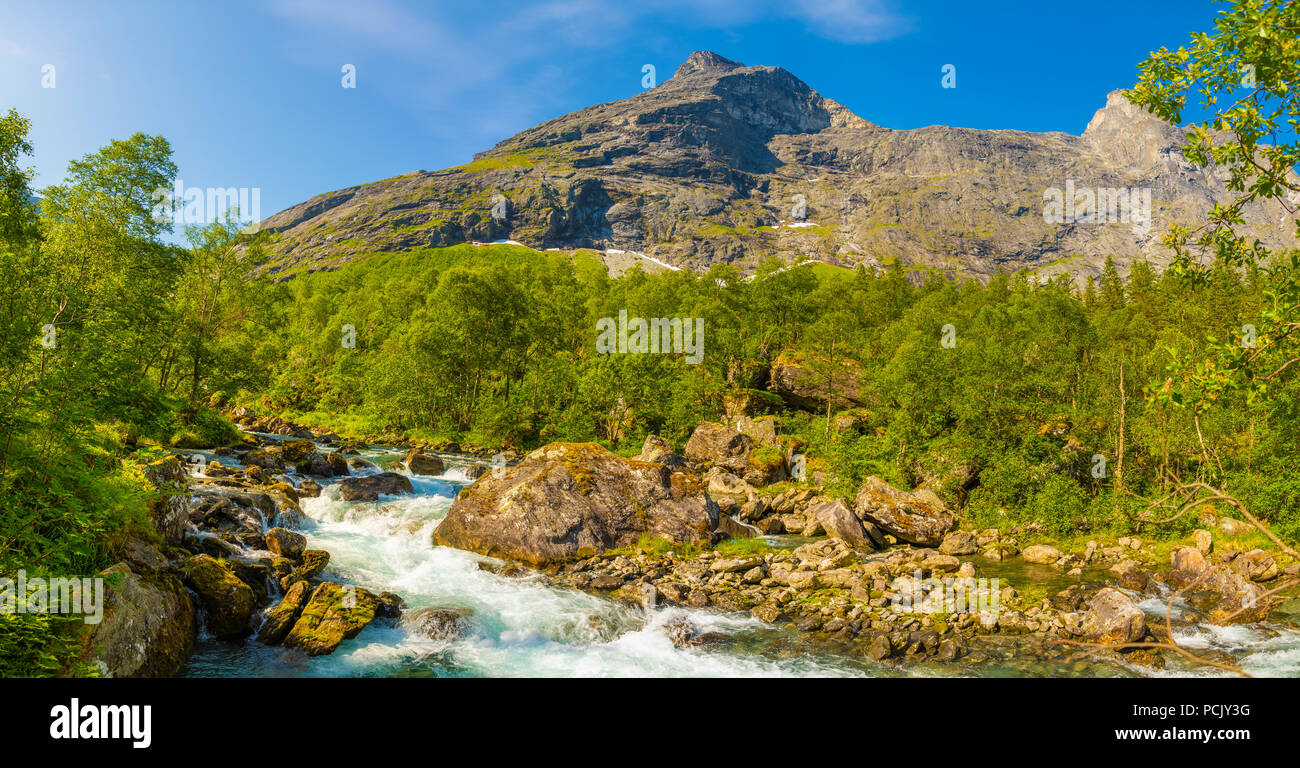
(170, 508)
(227, 600)
(1114, 619)
(421, 463)
(436, 623)
(281, 618)
(567, 500)
(370, 488)
(286, 543)
(1223, 592)
(334, 613)
(915, 518)
(1043, 554)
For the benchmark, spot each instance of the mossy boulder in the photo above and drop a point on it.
(286, 543)
(148, 625)
(334, 613)
(568, 500)
(281, 618)
(916, 518)
(227, 601)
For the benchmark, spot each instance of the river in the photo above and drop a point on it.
(522, 627)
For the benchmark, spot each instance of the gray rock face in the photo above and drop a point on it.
(568, 499)
(714, 164)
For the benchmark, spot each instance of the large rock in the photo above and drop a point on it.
(227, 600)
(810, 383)
(1043, 554)
(148, 626)
(421, 463)
(717, 445)
(714, 445)
(372, 487)
(656, 449)
(334, 613)
(959, 543)
(435, 623)
(913, 518)
(170, 508)
(1114, 619)
(286, 543)
(570, 499)
(280, 619)
(295, 451)
(839, 521)
(324, 465)
(1223, 593)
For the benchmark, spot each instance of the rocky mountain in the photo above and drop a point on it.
(729, 163)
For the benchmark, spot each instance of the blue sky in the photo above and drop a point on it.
(250, 94)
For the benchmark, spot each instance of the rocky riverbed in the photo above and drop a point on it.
(404, 561)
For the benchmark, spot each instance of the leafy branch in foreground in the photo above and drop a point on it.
(1245, 74)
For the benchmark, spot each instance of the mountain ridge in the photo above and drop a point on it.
(728, 163)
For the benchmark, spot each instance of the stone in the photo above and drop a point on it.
(169, 508)
(839, 521)
(1042, 554)
(421, 463)
(1259, 565)
(880, 648)
(294, 451)
(280, 619)
(717, 445)
(567, 499)
(148, 627)
(333, 613)
(286, 543)
(1114, 619)
(959, 543)
(940, 562)
(901, 514)
(1130, 575)
(371, 487)
(735, 564)
(1203, 540)
(434, 623)
(658, 450)
(228, 602)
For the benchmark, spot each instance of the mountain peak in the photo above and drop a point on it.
(706, 61)
(1130, 133)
